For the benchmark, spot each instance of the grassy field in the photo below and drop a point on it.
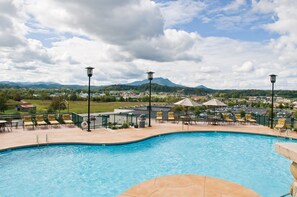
(82, 106)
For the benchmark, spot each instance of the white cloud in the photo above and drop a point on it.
(172, 46)
(265, 6)
(111, 20)
(235, 5)
(180, 12)
(11, 28)
(124, 39)
(246, 67)
(284, 23)
(209, 69)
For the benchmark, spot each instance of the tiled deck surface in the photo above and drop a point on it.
(20, 138)
(188, 185)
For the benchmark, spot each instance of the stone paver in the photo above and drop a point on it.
(188, 185)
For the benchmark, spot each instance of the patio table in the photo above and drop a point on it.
(213, 120)
(2, 125)
(186, 119)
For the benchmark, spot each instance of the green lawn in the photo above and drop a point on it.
(82, 106)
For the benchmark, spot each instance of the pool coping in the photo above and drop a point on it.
(139, 139)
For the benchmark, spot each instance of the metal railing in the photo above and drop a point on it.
(291, 123)
(10, 116)
(106, 120)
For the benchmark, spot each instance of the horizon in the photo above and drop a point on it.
(181, 85)
(231, 44)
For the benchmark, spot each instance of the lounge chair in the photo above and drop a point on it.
(27, 122)
(52, 120)
(281, 124)
(171, 116)
(249, 118)
(239, 118)
(227, 118)
(67, 119)
(40, 120)
(159, 116)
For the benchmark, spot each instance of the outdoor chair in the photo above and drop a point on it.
(40, 120)
(159, 116)
(67, 119)
(249, 118)
(227, 118)
(171, 116)
(281, 124)
(239, 118)
(27, 122)
(52, 120)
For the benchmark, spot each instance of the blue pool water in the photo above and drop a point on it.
(85, 170)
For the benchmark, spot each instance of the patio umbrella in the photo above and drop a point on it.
(187, 103)
(215, 103)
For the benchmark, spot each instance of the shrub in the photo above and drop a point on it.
(125, 126)
(242, 113)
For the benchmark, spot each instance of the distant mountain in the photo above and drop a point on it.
(158, 80)
(40, 85)
(51, 85)
(33, 84)
(202, 87)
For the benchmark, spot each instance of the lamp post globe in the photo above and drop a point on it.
(272, 80)
(150, 78)
(90, 74)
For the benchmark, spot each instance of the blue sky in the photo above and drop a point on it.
(223, 44)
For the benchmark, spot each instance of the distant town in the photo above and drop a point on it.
(19, 98)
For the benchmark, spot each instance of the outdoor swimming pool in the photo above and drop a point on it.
(85, 170)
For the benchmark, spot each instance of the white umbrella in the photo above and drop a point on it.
(214, 102)
(187, 102)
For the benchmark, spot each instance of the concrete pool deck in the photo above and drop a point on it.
(21, 138)
(188, 185)
(73, 135)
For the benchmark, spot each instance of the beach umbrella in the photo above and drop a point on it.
(187, 102)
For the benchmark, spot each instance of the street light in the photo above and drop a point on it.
(273, 80)
(90, 73)
(150, 78)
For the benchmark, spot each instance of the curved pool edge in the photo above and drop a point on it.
(139, 139)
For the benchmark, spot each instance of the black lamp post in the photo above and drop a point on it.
(90, 73)
(150, 78)
(273, 80)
